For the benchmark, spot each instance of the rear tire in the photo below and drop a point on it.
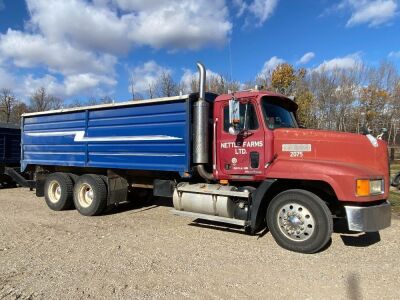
(58, 191)
(73, 177)
(300, 221)
(90, 195)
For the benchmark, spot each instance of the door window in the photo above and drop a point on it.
(248, 118)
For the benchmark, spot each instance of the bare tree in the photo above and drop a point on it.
(18, 109)
(96, 101)
(165, 85)
(106, 100)
(91, 101)
(7, 103)
(41, 101)
(75, 103)
(132, 85)
(150, 91)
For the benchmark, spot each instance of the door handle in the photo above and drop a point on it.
(254, 160)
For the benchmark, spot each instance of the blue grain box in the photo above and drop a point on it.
(152, 135)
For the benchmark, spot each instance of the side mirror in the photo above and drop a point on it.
(234, 111)
(234, 116)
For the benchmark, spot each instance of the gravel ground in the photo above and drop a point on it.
(148, 253)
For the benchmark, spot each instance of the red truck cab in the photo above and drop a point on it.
(349, 172)
(273, 146)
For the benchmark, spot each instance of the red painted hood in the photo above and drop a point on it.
(347, 151)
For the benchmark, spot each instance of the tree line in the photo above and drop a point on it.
(356, 99)
(353, 99)
(11, 108)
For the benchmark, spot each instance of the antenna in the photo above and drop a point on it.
(230, 61)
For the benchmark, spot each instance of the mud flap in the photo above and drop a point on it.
(40, 179)
(117, 188)
(257, 216)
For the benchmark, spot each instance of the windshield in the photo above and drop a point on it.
(277, 116)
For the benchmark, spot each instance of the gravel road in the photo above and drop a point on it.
(148, 253)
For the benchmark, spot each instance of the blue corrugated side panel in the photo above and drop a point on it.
(10, 145)
(138, 137)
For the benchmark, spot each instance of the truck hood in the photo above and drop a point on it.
(365, 153)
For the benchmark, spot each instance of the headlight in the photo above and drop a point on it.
(366, 187)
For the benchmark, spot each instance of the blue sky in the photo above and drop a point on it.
(79, 49)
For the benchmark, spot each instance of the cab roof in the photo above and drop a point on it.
(279, 98)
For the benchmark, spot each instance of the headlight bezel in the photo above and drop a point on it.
(366, 187)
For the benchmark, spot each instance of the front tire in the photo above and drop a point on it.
(300, 221)
(90, 195)
(58, 191)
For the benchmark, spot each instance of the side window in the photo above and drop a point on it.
(251, 119)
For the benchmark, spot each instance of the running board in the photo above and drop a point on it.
(208, 217)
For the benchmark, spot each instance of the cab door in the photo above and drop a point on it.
(242, 153)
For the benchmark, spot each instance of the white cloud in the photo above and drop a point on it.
(30, 84)
(187, 24)
(172, 24)
(241, 7)
(146, 75)
(81, 40)
(85, 83)
(343, 63)
(189, 76)
(89, 26)
(306, 58)
(261, 10)
(394, 54)
(271, 64)
(7, 80)
(371, 12)
(28, 51)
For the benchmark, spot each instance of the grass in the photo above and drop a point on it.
(394, 197)
(394, 168)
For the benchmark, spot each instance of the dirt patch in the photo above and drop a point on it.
(145, 252)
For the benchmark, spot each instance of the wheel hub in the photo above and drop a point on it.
(54, 191)
(89, 194)
(85, 195)
(296, 222)
(58, 191)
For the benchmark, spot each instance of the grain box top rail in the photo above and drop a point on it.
(109, 105)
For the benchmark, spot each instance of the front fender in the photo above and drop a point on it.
(339, 175)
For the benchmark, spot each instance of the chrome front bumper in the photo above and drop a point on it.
(369, 219)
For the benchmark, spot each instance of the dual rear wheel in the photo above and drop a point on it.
(88, 193)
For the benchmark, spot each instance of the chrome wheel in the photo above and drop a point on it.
(85, 195)
(54, 191)
(296, 222)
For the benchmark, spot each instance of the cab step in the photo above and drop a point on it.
(208, 217)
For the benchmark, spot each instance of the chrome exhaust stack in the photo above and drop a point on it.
(200, 122)
(202, 81)
(200, 125)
